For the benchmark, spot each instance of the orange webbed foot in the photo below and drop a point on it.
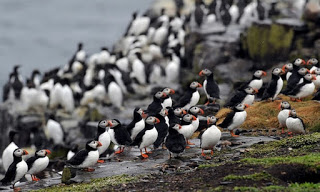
(187, 147)
(89, 169)
(100, 161)
(16, 189)
(189, 143)
(211, 152)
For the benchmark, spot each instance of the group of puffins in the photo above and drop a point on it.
(171, 124)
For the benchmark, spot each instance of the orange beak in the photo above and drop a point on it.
(109, 123)
(247, 106)
(166, 112)
(201, 111)
(284, 68)
(264, 73)
(256, 90)
(208, 121)
(25, 152)
(283, 72)
(303, 62)
(308, 63)
(201, 73)
(308, 70)
(313, 72)
(144, 115)
(199, 85)
(157, 121)
(164, 95)
(314, 77)
(99, 144)
(48, 151)
(180, 126)
(279, 107)
(193, 118)
(172, 91)
(184, 112)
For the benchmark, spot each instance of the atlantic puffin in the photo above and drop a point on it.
(175, 141)
(300, 76)
(235, 118)
(283, 114)
(175, 114)
(294, 77)
(137, 124)
(119, 135)
(167, 101)
(7, 157)
(275, 85)
(139, 25)
(304, 89)
(211, 136)
(210, 86)
(187, 127)
(103, 137)
(74, 149)
(38, 163)
(17, 169)
(54, 130)
(114, 91)
(256, 82)
(316, 82)
(162, 127)
(138, 69)
(195, 111)
(295, 124)
(314, 63)
(147, 136)
(190, 97)
(80, 55)
(87, 157)
(156, 105)
(245, 95)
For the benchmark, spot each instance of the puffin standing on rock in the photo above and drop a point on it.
(187, 127)
(283, 114)
(17, 169)
(87, 157)
(295, 124)
(103, 137)
(256, 82)
(314, 63)
(147, 136)
(211, 136)
(162, 128)
(119, 135)
(235, 118)
(156, 105)
(304, 89)
(243, 96)
(210, 86)
(38, 163)
(294, 77)
(274, 86)
(137, 124)
(175, 141)
(7, 157)
(190, 97)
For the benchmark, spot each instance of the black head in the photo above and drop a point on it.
(43, 152)
(92, 145)
(18, 153)
(114, 123)
(80, 45)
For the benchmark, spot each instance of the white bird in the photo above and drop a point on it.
(7, 157)
(139, 25)
(283, 114)
(211, 136)
(295, 124)
(54, 131)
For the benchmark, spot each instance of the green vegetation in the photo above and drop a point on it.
(94, 185)
(295, 187)
(255, 177)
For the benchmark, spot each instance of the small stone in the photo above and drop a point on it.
(290, 149)
(242, 151)
(226, 182)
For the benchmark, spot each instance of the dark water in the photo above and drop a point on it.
(44, 34)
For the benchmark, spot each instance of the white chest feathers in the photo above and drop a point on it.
(256, 83)
(295, 125)
(90, 160)
(137, 128)
(238, 119)
(193, 101)
(249, 99)
(282, 117)
(7, 157)
(279, 87)
(39, 165)
(149, 138)
(210, 137)
(104, 139)
(21, 170)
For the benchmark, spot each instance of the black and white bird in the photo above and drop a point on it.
(162, 127)
(103, 137)
(245, 95)
(235, 118)
(211, 136)
(299, 79)
(167, 101)
(304, 89)
(190, 97)
(187, 127)
(87, 157)
(294, 77)
(156, 105)
(38, 163)
(256, 82)
(314, 64)
(139, 25)
(287, 68)
(7, 91)
(114, 91)
(80, 54)
(175, 141)
(316, 82)
(295, 124)
(138, 69)
(137, 124)
(195, 111)
(119, 135)
(210, 86)
(174, 115)
(283, 114)
(147, 136)
(275, 85)
(317, 96)
(17, 169)
(17, 84)
(54, 131)
(72, 151)
(7, 157)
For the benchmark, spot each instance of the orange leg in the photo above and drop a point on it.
(207, 103)
(16, 189)
(89, 169)
(202, 153)
(299, 100)
(292, 99)
(189, 143)
(211, 152)
(143, 155)
(122, 149)
(187, 147)
(232, 134)
(100, 161)
(147, 152)
(119, 151)
(282, 130)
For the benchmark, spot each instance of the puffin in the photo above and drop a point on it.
(87, 157)
(256, 82)
(161, 127)
(210, 86)
(72, 151)
(137, 124)
(103, 137)
(295, 124)
(317, 96)
(287, 68)
(17, 84)
(190, 97)
(173, 68)
(294, 77)
(283, 114)
(54, 130)
(314, 63)
(138, 69)
(38, 163)
(235, 118)
(167, 101)
(301, 73)
(316, 82)
(139, 25)
(275, 85)
(187, 127)
(195, 111)
(304, 89)
(245, 95)
(211, 136)
(17, 169)
(80, 55)
(119, 135)
(175, 114)
(7, 157)
(147, 136)
(198, 13)
(175, 141)
(114, 91)
(35, 78)
(156, 105)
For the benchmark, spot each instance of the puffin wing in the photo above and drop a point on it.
(185, 99)
(123, 137)
(228, 120)
(271, 89)
(10, 174)
(296, 89)
(138, 139)
(236, 98)
(30, 161)
(213, 90)
(78, 158)
(304, 126)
